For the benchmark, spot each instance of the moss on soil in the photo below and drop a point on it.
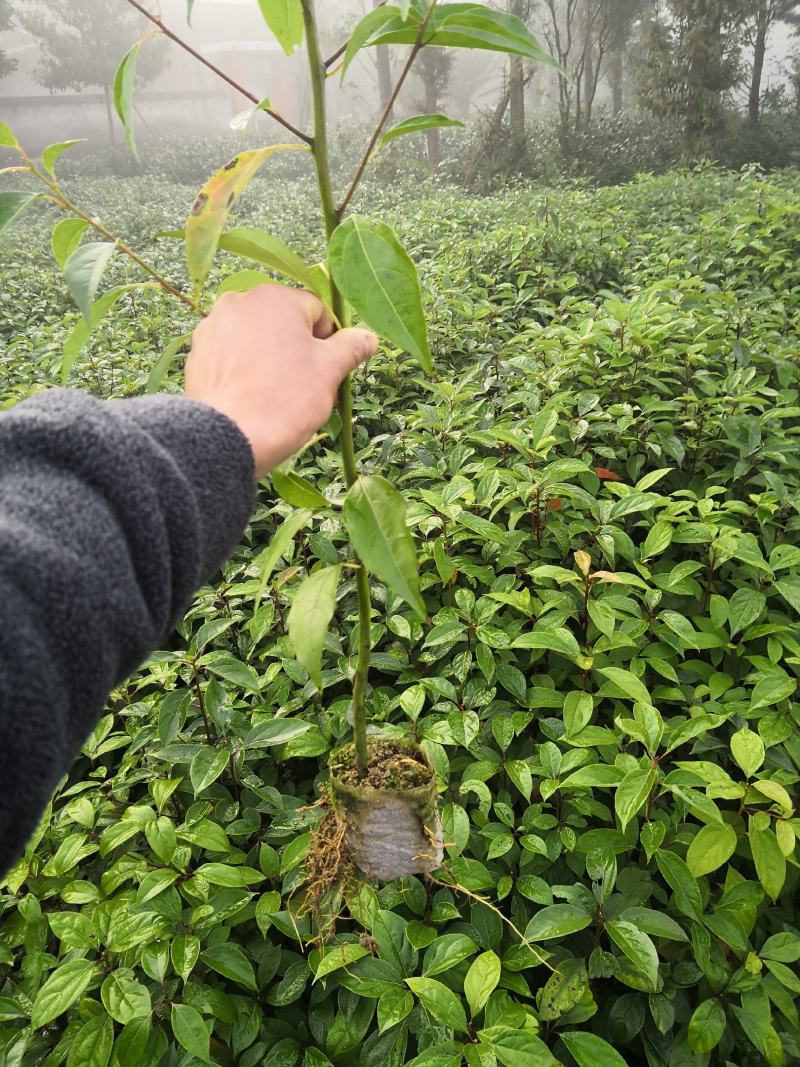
(392, 765)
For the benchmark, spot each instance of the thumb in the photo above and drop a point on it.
(350, 348)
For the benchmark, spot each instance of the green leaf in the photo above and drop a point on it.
(7, 138)
(242, 281)
(578, 711)
(446, 952)
(64, 986)
(682, 882)
(394, 1006)
(471, 26)
(266, 563)
(230, 961)
(92, 1044)
(232, 669)
(375, 516)
(12, 204)
(85, 327)
(712, 846)
(338, 956)
(706, 1026)
(207, 766)
(213, 205)
(748, 751)
(440, 1002)
(521, 1048)
(784, 948)
(377, 276)
(165, 361)
(595, 776)
(67, 235)
(231, 877)
(745, 606)
(190, 1031)
(310, 617)
(558, 640)
(124, 998)
(261, 247)
(655, 923)
(628, 683)
(416, 124)
(185, 952)
(637, 946)
(632, 792)
(124, 82)
(131, 1045)
(772, 689)
(275, 732)
(51, 155)
(297, 491)
(769, 860)
(285, 20)
(84, 271)
(242, 120)
(481, 980)
(155, 883)
(557, 920)
(589, 1050)
(659, 538)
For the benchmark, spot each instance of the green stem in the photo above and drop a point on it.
(332, 218)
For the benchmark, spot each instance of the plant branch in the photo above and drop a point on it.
(340, 310)
(417, 47)
(337, 55)
(61, 200)
(276, 115)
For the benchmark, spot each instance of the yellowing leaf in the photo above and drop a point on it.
(213, 204)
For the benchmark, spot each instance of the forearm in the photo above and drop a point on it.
(111, 516)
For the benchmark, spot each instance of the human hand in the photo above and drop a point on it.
(270, 361)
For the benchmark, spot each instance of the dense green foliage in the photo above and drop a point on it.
(603, 484)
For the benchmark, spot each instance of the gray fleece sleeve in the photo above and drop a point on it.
(112, 514)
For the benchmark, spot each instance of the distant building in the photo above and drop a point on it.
(185, 99)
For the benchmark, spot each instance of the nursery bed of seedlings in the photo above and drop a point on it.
(601, 480)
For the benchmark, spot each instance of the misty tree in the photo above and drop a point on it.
(81, 43)
(516, 80)
(434, 68)
(692, 57)
(7, 64)
(582, 34)
(383, 63)
(624, 16)
(766, 14)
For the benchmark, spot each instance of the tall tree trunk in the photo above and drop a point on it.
(703, 114)
(112, 133)
(517, 88)
(760, 49)
(588, 65)
(431, 108)
(591, 86)
(616, 75)
(384, 65)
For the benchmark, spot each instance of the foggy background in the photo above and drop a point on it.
(179, 98)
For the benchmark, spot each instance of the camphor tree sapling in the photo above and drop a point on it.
(383, 789)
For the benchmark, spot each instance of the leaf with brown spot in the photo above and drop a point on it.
(607, 475)
(210, 210)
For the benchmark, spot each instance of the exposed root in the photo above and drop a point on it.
(329, 872)
(493, 907)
